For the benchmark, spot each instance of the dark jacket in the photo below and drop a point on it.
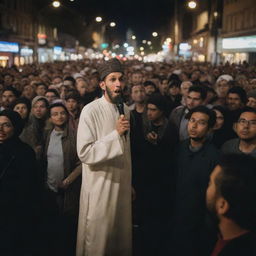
(71, 163)
(19, 198)
(193, 172)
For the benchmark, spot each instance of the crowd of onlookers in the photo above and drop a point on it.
(184, 116)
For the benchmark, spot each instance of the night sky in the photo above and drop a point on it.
(141, 16)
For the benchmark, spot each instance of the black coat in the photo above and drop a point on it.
(193, 172)
(18, 198)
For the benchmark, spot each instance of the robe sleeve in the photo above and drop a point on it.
(91, 150)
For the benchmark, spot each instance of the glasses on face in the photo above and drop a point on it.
(244, 122)
(200, 122)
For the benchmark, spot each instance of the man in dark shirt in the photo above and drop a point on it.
(231, 200)
(196, 159)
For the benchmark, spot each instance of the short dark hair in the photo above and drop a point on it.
(237, 184)
(240, 92)
(147, 83)
(53, 91)
(73, 94)
(13, 90)
(58, 104)
(247, 109)
(199, 89)
(203, 109)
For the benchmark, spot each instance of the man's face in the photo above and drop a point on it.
(40, 90)
(59, 116)
(198, 126)
(8, 80)
(184, 88)
(22, 109)
(251, 102)
(138, 94)
(234, 101)
(211, 193)
(246, 126)
(39, 110)
(81, 86)
(193, 100)
(8, 98)
(6, 129)
(222, 88)
(113, 86)
(174, 90)
(28, 92)
(57, 80)
(72, 105)
(136, 78)
(154, 113)
(149, 89)
(163, 87)
(50, 96)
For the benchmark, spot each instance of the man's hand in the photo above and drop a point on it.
(152, 137)
(122, 125)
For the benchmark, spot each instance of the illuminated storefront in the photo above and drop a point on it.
(9, 54)
(239, 49)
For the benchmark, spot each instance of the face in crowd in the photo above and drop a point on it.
(219, 120)
(58, 116)
(154, 114)
(6, 129)
(138, 94)
(198, 126)
(194, 99)
(246, 126)
(39, 109)
(8, 97)
(234, 101)
(113, 86)
(72, 105)
(22, 109)
(136, 78)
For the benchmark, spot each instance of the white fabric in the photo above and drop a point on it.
(104, 227)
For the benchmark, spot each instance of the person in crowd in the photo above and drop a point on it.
(174, 94)
(138, 97)
(163, 86)
(235, 101)
(33, 132)
(103, 146)
(51, 95)
(41, 89)
(245, 128)
(196, 158)
(223, 84)
(29, 92)
(251, 99)
(136, 78)
(23, 107)
(10, 94)
(19, 193)
(150, 88)
(153, 175)
(184, 87)
(221, 131)
(63, 182)
(73, 105)
(196, 96)
(230, 199)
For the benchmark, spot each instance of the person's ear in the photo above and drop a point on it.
(102, 85)
(222, 206)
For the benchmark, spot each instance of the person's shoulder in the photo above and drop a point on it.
(229, 146)
(91, 107)
(25, 149)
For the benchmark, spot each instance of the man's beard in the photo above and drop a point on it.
(212, 211)
(114, 99)
(248, 140)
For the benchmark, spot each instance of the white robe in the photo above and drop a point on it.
(105, 226)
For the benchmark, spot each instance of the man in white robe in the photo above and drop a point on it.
(104, 227)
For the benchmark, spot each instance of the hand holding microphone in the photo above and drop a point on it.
(123, 125)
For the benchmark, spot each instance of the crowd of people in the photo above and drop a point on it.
(188, 137)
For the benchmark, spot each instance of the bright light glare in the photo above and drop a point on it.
(192, 4)
(112, 24)
(144, 41)
(125, 45)
(154, 34)
(98, 19)
(56, 4)
(168, 40)
(142, 48)
(133, 37)
(149, 43)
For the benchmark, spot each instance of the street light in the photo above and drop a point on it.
(112, 24)
(133, 37)
(98, 19)
(56, 4)
(192, 4)
(154, 34)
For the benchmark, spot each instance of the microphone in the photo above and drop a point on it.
(120, 107)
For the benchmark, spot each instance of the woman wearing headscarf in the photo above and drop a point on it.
(18, 188)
